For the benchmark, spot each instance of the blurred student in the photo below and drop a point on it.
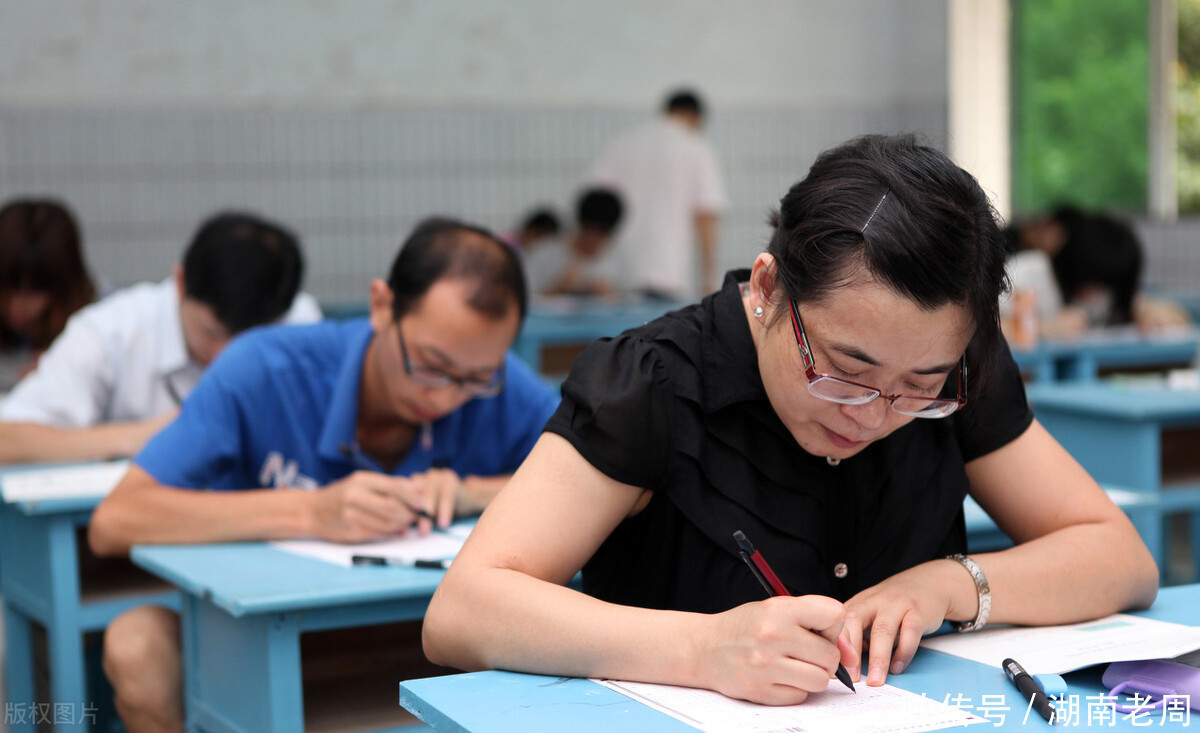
(1073, 270)
(43, 277)
(666, 173)
(576, 267)
(539, 226)
(344, 431)
(123, 365)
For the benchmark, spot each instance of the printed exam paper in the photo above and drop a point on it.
(884, 709)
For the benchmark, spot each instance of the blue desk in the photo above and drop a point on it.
(1083, 359)
(1116, 432)
(245, 606)
(44, 581)
(505, 702)
(578, 323)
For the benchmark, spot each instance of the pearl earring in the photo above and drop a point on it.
(758, 311)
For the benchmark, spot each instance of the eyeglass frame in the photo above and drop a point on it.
(438, 379)
(811, 373)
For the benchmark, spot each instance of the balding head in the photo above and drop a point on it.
(448, 249)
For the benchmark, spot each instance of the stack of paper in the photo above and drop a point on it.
(62, 482)
(1061, 649)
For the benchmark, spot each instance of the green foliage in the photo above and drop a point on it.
(1187, 108)
(1081, 103)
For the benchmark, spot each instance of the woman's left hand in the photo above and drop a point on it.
(895, 614)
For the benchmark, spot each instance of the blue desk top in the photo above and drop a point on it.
(56, 506)
(253, 577)
(502, 702)
(588, 318)
(1126, 401)
(1121, 344)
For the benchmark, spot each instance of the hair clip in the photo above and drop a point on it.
(873, 213)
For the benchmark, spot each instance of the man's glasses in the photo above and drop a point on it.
(437, 379)
(845, 392)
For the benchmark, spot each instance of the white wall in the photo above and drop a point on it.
(350, 119)
(611, 52)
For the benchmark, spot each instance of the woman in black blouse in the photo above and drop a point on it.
(836, 403)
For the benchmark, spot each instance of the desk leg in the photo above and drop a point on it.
(1082, 368)
(241, 674)
(64, 641)
(18, 639)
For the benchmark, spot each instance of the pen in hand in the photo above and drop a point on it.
(774, 587)
(423, 514)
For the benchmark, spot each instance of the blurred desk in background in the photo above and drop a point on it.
(1108, 349)
(556, 330)
(984, 536)
(1140, 436)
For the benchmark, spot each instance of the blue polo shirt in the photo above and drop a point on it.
(280, 407)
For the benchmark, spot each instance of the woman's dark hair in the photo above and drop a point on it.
(41, 249)
(891, 209)
(443, 248)
(247, 269)
(1098, 250)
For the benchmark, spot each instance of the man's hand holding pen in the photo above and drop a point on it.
(367, 505)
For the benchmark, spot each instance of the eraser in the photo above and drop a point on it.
(1053, 685)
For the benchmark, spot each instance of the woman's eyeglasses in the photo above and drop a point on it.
(846, 392)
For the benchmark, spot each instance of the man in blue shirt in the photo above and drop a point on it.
(342, 431)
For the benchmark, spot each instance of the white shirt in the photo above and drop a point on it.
(122, 358)
(549, 261)
(1030, 269)
(666, 174)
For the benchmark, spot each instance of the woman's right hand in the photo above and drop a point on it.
(776, 651)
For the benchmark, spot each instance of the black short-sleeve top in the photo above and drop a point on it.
(678, 407)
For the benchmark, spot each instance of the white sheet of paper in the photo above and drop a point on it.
(62, 482)
(1059, 649)
(440, 545)
(881, 709)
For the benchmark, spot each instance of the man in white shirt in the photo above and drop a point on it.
(120, 369)
(667, 175)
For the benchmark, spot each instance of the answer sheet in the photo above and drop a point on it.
(883, 709)
(1060, 649)
(437, 545)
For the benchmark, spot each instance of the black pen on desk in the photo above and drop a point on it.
(1029, 688)
(381, 560)
(774, 586)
